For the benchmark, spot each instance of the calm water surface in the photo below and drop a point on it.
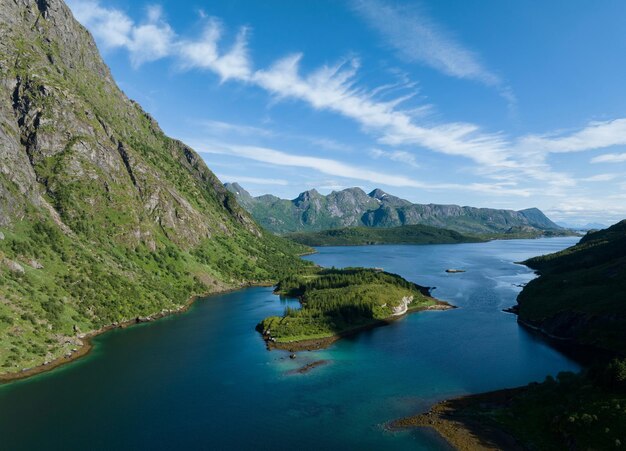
(204, 380)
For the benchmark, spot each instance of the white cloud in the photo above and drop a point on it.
(395, 155)
(600, 178)
(506, 161)
(610, 158)
(216, 127)
(148, 41)
(340, 169)
(254, 180)
(417, 38)
(333, 88)
(155, 39)
(596, 135)
(204, 53)
(328, 144)
(581, 210)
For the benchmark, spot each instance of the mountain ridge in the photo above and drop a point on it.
(353, 207)
(103, 218)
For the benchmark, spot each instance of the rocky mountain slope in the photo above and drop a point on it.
(312, 211)
(580, 295)
(103, 218)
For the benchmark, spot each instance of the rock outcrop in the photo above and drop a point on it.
(113, 219)
(403, 307)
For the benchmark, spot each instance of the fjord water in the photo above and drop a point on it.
(204, 380)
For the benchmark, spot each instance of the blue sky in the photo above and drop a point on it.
(491, 103)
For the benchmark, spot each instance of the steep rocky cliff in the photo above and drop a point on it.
(103, 218)
(311, 211)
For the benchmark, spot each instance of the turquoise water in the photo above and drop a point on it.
(204, 380)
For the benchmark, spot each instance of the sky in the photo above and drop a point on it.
(497, 104)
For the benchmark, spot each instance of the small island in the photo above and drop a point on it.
(340, 302)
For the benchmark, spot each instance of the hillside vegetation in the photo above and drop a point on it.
(357, 236)
(580, 294)
(103, 218)
(336, 301)
(579, 298)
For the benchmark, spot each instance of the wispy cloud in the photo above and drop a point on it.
(417, 38)
(595, 135)
(610, 158)
(582, 209)
(340, 169)
(252, 180)
(601, 177)
(333, 88)
(330, 87)
(218, 128)
(399, 156)
(508, 162)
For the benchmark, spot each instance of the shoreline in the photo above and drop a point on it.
(87, 338)
(461, 429)
(314, 344)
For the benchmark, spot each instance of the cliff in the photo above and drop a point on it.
(103, 218)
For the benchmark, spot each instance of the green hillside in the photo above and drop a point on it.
(103, 218)
(357, 236)
(581, 292)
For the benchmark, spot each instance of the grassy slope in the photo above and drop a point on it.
(356, 236)
(335, 301)
(119, 239)
(580, 293)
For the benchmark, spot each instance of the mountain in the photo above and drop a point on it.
(358, 236)
(103, 218)
(579, 296)
(311, 211)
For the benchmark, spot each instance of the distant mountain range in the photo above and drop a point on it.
(312, 211)
(588, 226)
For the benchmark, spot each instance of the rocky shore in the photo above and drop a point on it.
(456, 421)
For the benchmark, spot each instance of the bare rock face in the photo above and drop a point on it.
(119, 220)
(402, 307)
(35, 264)
(14, 266)
(65, 121)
